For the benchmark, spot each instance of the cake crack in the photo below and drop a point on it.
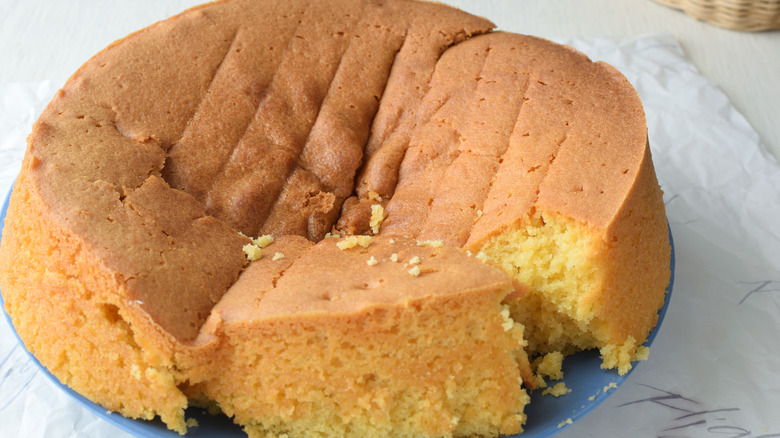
(233, 41)
(277, 134)
(297, 164)
(500, 160)
(219, 173)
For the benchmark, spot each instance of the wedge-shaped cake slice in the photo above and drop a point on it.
(367, 337)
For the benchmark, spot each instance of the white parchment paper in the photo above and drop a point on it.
(713, 369)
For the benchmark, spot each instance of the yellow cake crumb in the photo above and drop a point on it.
(347, 243)
(565, 422)
(192, 422)
(592, 398)
(548, 367)
(619, 355)
(507, 324)
(431, 243)
(482, 256)
(353, 241)
(372, 261)
(558, 390)
(612, 385)
(415, 271)
(414, 260)
(278, 256)
(393, 257)
(377, 216)
(374, 196)
(642, 353)
(540, 382)
(263, 240)
(252, 251)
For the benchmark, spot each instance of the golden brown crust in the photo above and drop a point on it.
(348, 281)
(511, 124)
(627, 301)
(101, 146)
(287, 155)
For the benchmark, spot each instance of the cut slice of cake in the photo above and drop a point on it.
(367, 337)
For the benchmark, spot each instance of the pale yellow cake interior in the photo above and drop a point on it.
(564, 265)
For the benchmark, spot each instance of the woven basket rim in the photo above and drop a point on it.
(742, 15)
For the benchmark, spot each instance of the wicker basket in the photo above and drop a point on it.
(747, 15)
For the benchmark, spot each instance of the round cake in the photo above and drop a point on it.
(343, 218)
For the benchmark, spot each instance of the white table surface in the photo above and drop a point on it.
(50, 39)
